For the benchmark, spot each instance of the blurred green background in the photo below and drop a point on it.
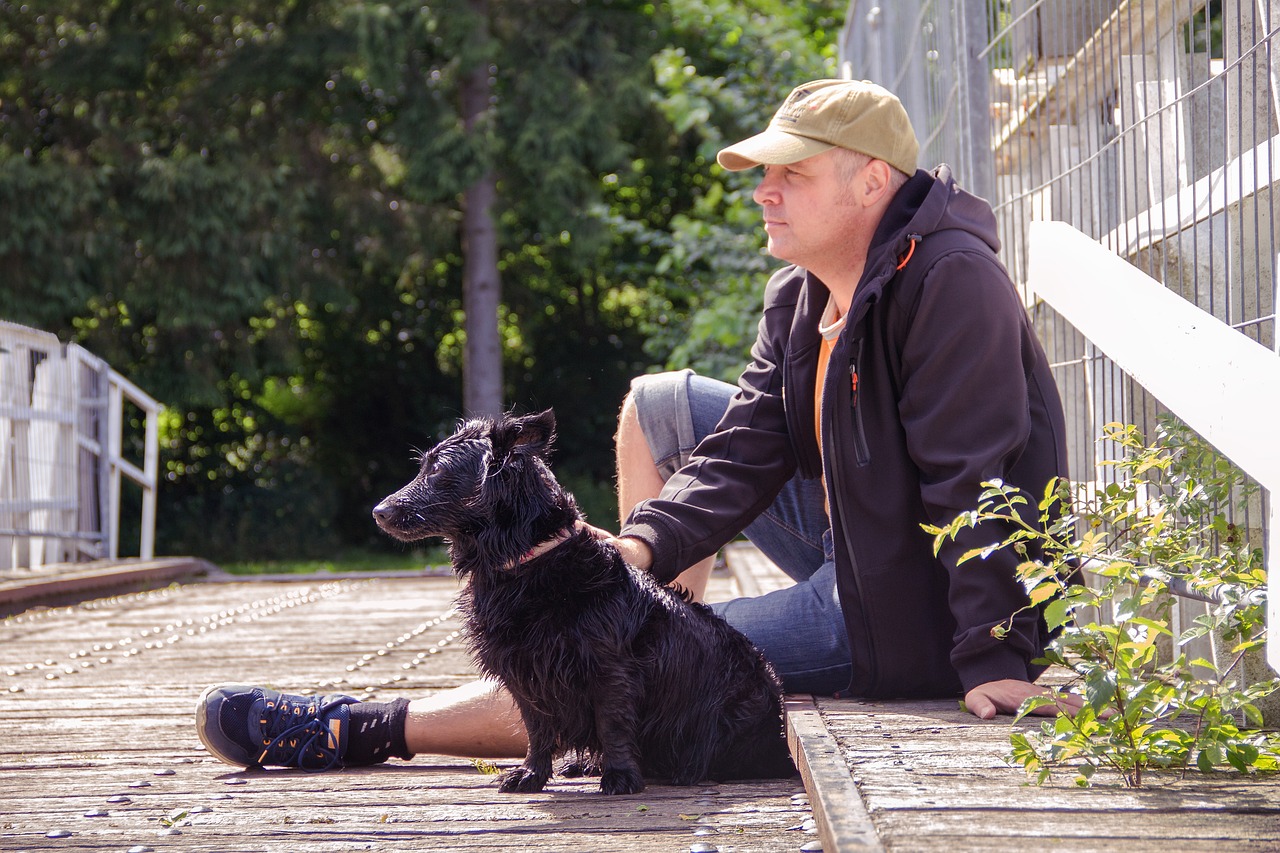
(255, 211)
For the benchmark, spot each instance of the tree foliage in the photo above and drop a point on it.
(253, 210)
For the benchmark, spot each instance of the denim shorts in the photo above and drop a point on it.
(800, 629)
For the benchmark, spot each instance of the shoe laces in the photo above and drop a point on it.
(298, 735)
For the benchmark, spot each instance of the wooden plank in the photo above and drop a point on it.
(753, 572)
(934, 777)
(838, 808)
(82, 580)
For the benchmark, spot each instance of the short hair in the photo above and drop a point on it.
(850, 162)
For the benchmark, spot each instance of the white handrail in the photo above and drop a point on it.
(61, 452)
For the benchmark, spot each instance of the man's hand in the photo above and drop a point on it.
(633, 551)
(1005, 697)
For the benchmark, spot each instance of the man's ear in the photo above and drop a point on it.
(876, 182)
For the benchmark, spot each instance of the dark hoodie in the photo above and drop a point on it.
(952, 389)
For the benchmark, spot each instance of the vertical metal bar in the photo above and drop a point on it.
(975, 97)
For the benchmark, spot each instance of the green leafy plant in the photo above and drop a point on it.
(1121, 550)
(488, 768)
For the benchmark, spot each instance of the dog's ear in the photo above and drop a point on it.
(529, 434)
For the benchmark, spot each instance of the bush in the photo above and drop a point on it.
(1161, 527)
(291, 519)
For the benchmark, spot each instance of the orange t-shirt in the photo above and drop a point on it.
(829, 328)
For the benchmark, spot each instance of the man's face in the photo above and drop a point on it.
(811, 213)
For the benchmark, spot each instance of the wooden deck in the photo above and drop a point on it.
(99, 750)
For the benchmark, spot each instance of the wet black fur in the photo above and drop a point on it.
(623, 675)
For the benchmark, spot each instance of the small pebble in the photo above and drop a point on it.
(58, 833)
(811, 847)
(140, 784)
(702, 847)
(166, 772)
(139, 848)
(200, 810)
(119, 799)
(98, 813)
(170, 831)
(236, 781)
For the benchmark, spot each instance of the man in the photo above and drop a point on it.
(894, 371)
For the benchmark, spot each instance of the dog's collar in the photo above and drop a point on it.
(540, 549)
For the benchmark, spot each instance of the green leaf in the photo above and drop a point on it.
(1100, 687)
(1031, 704)
(1043, 593)
(1057, 613)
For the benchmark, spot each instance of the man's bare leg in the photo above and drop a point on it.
(639, 479)
(476, 720)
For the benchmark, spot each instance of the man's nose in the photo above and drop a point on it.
(766, 191)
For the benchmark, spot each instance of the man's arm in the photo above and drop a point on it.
(634, 551)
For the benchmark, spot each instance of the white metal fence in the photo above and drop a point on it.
(62, 422)
(1147, 132)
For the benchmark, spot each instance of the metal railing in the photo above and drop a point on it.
(62, 458)
(1147, 132)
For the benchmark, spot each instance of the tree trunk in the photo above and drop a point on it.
(482, 293)
(481, 285)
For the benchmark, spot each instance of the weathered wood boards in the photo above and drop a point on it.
(97, 703)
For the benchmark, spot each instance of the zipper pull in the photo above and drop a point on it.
(853, 384)
(911, 250)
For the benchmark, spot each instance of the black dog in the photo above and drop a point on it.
(627, 677)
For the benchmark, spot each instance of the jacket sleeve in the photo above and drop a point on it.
(966, 363)
(736, 472)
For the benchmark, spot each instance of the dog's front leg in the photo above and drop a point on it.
(617, 722)
(532, 776)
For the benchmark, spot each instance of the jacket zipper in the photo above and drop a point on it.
(840, 515)
(861, 452)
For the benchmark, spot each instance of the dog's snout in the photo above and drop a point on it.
(382, 511)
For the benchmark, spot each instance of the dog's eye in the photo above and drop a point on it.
(438, 461)
(431, 462)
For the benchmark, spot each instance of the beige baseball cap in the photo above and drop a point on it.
(826, 114)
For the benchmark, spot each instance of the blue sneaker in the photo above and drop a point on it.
(256, 727)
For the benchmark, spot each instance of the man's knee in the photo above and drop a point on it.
(656, 403)
(628, 421)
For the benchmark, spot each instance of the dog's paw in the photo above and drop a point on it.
(615, 781)
(521, 781)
